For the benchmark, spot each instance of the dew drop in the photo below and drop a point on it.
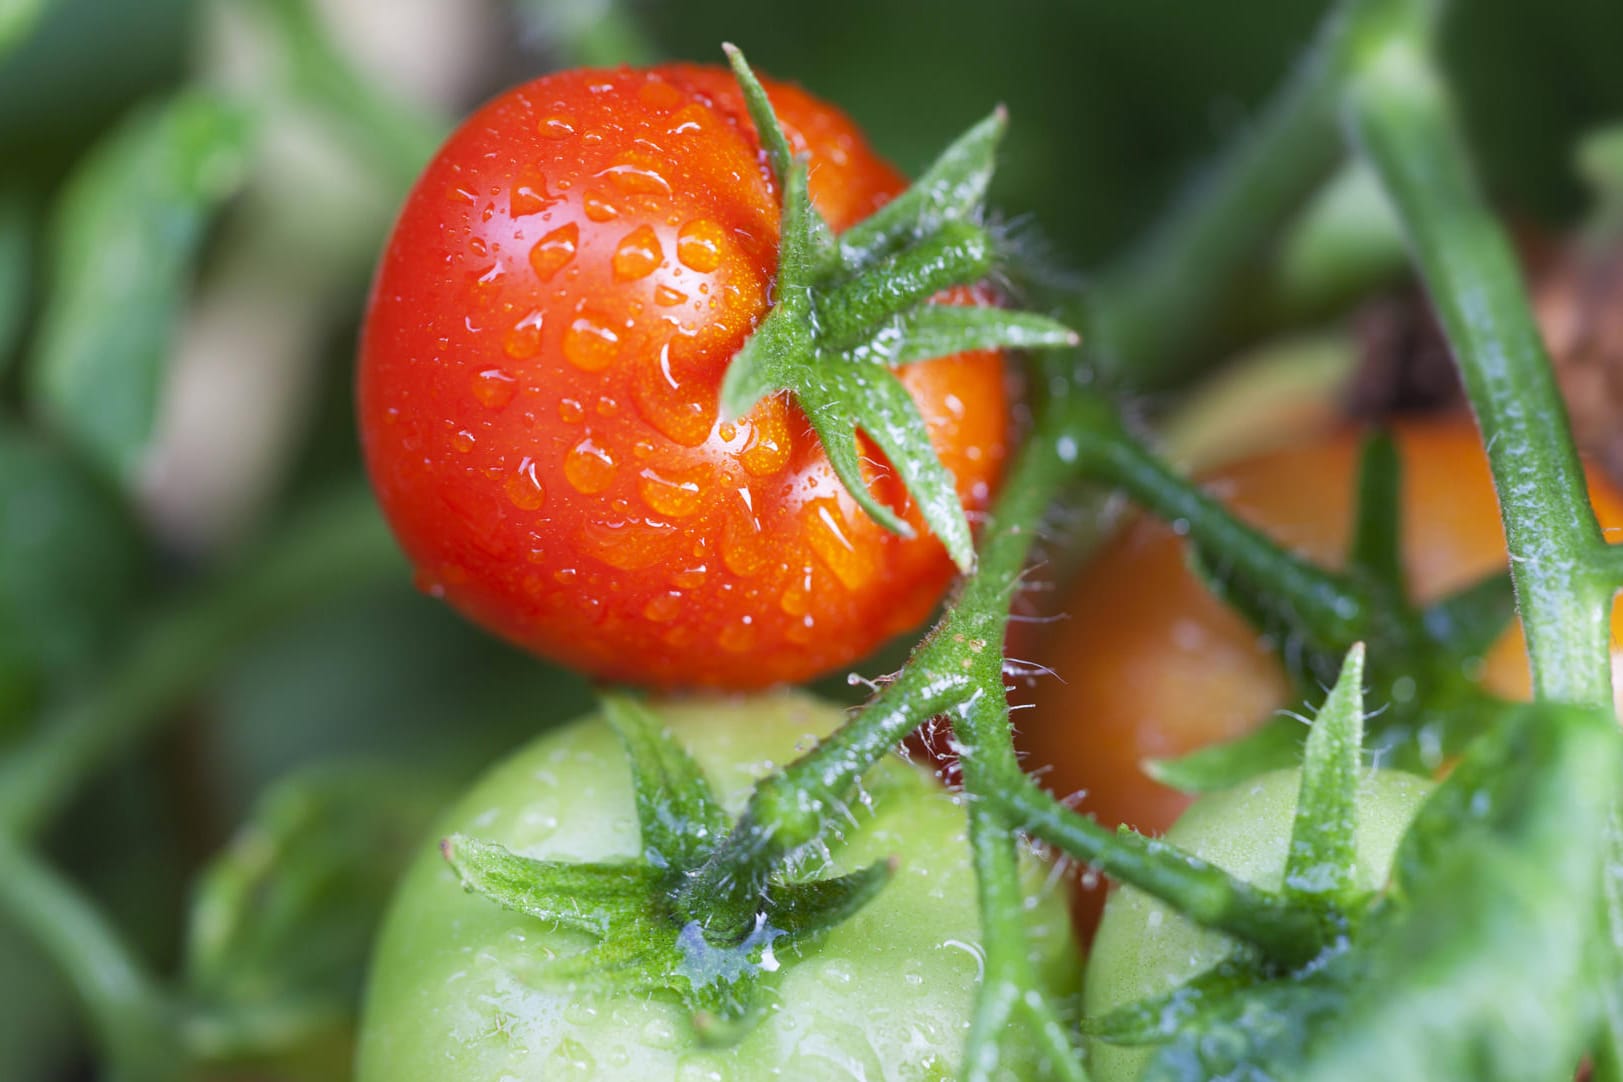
(565, 576)
(524, 487)
(494, 387)
(737, 638)
(689, 578)
(589, 467)
(571, 412)
(667, 297)
(598, 208)
(556, 126)
(527, 199)
(699, 244)
(672, 494)
(638, 254)
(637, 178)
(659, 94)
(826, 533)
(680, 410)
(554, 250)
(589, 345)
(664, 608)
(766, 452)
(688, 120)
(524, 340)
(463, 441)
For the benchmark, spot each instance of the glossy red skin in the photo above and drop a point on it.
(538, 391)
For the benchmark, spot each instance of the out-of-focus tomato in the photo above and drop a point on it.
(1151, 665)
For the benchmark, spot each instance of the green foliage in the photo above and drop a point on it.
(125, 235)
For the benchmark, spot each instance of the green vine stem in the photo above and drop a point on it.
(342, 546)
(128, 1011)
(1401, 120)
(1565, 575)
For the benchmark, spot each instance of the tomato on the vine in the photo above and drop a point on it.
(1154, 666)
(459, 986)
(1144, 948)
(540, 366)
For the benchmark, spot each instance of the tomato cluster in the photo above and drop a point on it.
(539, 371)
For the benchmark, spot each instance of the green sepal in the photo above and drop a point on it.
(935, 330)
(1377, 542)
(1471, 620)
(1508, 851)
(677, 813)
(1250, 1032)
(892, 421)
(804, 908)
(1274, 745)
(1319, 864)
(773, 141)
(1158, 1019)
(952, 188)
(594, 898)
(844, 310)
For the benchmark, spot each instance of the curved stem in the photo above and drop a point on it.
(130, 1014)
(337, 549)
(1210, 896)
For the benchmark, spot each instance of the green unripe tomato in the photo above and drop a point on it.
(457, 990)
(1146, 948)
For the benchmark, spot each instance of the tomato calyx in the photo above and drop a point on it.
(849, 309)
(650, 934)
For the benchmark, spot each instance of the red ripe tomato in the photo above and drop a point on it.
(538, 390)
(1154, 666)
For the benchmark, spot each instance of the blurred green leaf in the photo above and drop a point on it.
(284, 917)
(17, 19)
(69, 563)
(124, 238)
(16, 244)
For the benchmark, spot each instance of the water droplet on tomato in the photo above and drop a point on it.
(524, 340)
(766, 450)
(556, 126)
(683, 411)
(463, 441)
(570, 412)
(737, 638)
(664, 608)
(494, 387)
(527, 199)
(554, 250)
(589, 345)
(666, 297)
(699, 245)
(827, 534)
(690, 578)
(524, 487)
(589, 467)
(638, 254)
(598, 208)
(637, 178)
(659, 94)
(688, 120)
(676, 495)
(565, 576)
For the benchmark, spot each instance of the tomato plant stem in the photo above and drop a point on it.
(339, 548)
(1401, 120)
(125, 1006)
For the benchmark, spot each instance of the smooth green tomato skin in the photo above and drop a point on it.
(1145, 948)
(458, 993)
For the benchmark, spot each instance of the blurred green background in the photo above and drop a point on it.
(191, 195)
